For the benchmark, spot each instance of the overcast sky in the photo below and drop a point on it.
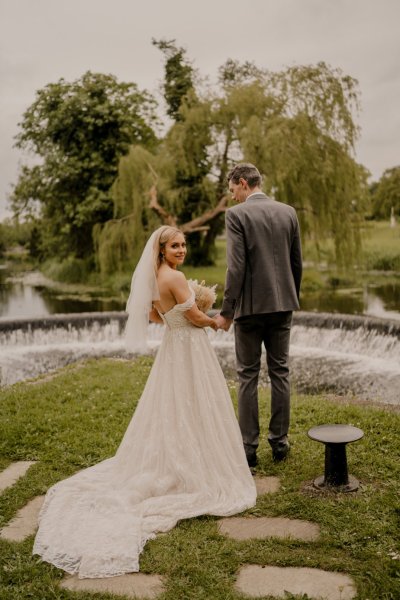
(44, 40)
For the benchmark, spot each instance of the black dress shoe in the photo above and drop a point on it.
(252, 460)
(280, 450)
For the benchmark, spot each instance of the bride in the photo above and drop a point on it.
(182, 454)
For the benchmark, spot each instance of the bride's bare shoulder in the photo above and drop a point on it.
(172, 276)
(172, 281)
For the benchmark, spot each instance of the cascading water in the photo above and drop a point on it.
(338, 353)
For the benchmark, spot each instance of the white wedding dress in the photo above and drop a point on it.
(181, 456)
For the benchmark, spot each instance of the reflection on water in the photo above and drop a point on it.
(333, 302)
(377, 301)
(19, 299)
(384, 301)
(59, 304)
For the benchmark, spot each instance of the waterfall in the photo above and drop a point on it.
(339, 353)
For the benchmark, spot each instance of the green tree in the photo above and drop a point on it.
(386, 194)
(296, 125)
(120, 241)
(78, 131)
(178, 78)
(14, 233)
(192, 193)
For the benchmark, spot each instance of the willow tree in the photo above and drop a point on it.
(120, 240)
(296, 125)
(145, 196)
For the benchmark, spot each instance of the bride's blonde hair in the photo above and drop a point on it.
(164, 234)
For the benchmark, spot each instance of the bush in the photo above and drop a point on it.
(312, 281)
(70, 270)
(379, 261)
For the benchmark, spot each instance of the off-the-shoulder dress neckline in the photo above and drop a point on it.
(175, 305)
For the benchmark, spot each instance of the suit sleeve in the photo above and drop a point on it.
(296, 259)
(236, 263)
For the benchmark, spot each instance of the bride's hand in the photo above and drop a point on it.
(214, 324)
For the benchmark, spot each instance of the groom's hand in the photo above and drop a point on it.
(222, 322)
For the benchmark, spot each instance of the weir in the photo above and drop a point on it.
(344, 354)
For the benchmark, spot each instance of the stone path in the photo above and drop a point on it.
(252, 580)
(24, 523)
(257, 581)
(13, 472)
(135, 585)
(242, 528)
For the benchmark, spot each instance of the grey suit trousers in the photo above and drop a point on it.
(272, 330)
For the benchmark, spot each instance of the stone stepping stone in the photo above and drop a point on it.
(13, 472)
(258, 581)
(133, 585)
(267, 485)
(248, 528)
(24, 523)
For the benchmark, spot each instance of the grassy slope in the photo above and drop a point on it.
(78, 418)
(381, 246)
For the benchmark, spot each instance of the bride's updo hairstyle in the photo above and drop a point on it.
(164, 234)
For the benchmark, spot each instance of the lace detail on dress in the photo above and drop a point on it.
(181, 456)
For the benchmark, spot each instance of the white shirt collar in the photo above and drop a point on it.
(253, 194)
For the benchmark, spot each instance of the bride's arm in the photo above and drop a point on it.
(200, 319)
(154, 317)
(179, 287)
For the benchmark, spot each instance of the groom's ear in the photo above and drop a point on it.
(244, 183)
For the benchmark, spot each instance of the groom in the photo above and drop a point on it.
(261, 291)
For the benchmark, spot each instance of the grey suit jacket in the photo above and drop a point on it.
(263, 257)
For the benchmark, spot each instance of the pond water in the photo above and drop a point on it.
(28, 297)
(373, 300)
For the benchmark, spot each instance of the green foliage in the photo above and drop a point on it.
(78, 418)
(382, 261)
(297, 127)
(69, 270)
(79, 131)
(386, 194)
(381, 245)
(312, 281)
(178, 80)
(14, 233)
(120, 241)
(192, 190)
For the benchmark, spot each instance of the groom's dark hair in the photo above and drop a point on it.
(245, 171)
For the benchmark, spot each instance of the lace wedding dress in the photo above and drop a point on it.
(181, 456)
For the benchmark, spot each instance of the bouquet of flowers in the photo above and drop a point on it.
(205, 296)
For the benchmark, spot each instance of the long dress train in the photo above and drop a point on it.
(181, 456)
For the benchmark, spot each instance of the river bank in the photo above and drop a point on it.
(370, 288)
(30, 293)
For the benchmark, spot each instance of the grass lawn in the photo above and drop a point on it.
(381, 246)
(78, 418)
